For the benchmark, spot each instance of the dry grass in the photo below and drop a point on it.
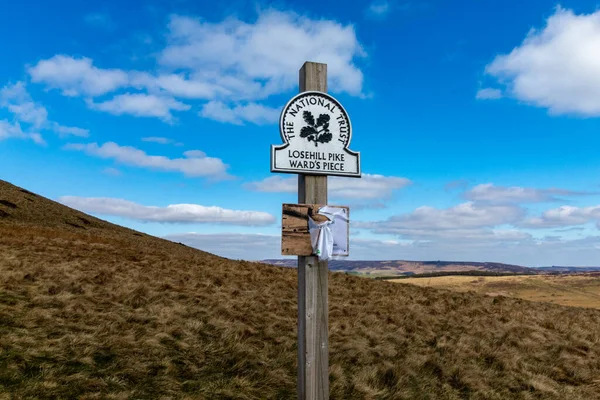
(101, 312)
(580, 290)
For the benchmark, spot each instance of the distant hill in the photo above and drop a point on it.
(561, 269)
(402, 267)
(91, 310)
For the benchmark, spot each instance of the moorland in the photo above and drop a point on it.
(575, 289)
(92, 310)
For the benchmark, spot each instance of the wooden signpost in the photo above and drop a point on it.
(316, 132)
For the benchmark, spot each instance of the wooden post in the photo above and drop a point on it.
(313, 333)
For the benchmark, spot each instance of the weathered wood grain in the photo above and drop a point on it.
(313, 333)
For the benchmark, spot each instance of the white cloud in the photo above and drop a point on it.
(174, 213)
(69, 130)
(161, 140)
(30, 113)
(556, 67)
(13, 130)
(463, 220)
(484, 231)
(18, 101)
(520, 251)
(488, 94)
(564, 216)
(177, 85)
(458, 236)
(155, 139)
(369, 187)
(251, 112)
(275, 184)
(194, 154)
(77, 76)
(141, 105)
(526, 252)
(16, 93)
(190, 166)
(515, 194)
(246, 58)
(510, 234)
(378, 8)
(231, 59)
(237, 246)
(229, 63)
(571, 229)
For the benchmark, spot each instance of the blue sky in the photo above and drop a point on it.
(477, 122)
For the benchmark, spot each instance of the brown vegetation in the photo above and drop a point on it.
(99, 311)
(579, 290)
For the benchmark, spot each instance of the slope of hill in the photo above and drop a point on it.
(402, 267)
(99, 311)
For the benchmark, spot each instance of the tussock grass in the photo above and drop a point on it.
(104, 312)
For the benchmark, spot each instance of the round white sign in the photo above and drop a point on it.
(316, 132)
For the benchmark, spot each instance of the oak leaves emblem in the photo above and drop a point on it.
(316, 131)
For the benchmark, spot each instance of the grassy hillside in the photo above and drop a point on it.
(97, 311)
(580, 290)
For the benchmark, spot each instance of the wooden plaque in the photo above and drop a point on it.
(295, 237)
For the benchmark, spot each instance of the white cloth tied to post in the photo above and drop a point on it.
(321, 234)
